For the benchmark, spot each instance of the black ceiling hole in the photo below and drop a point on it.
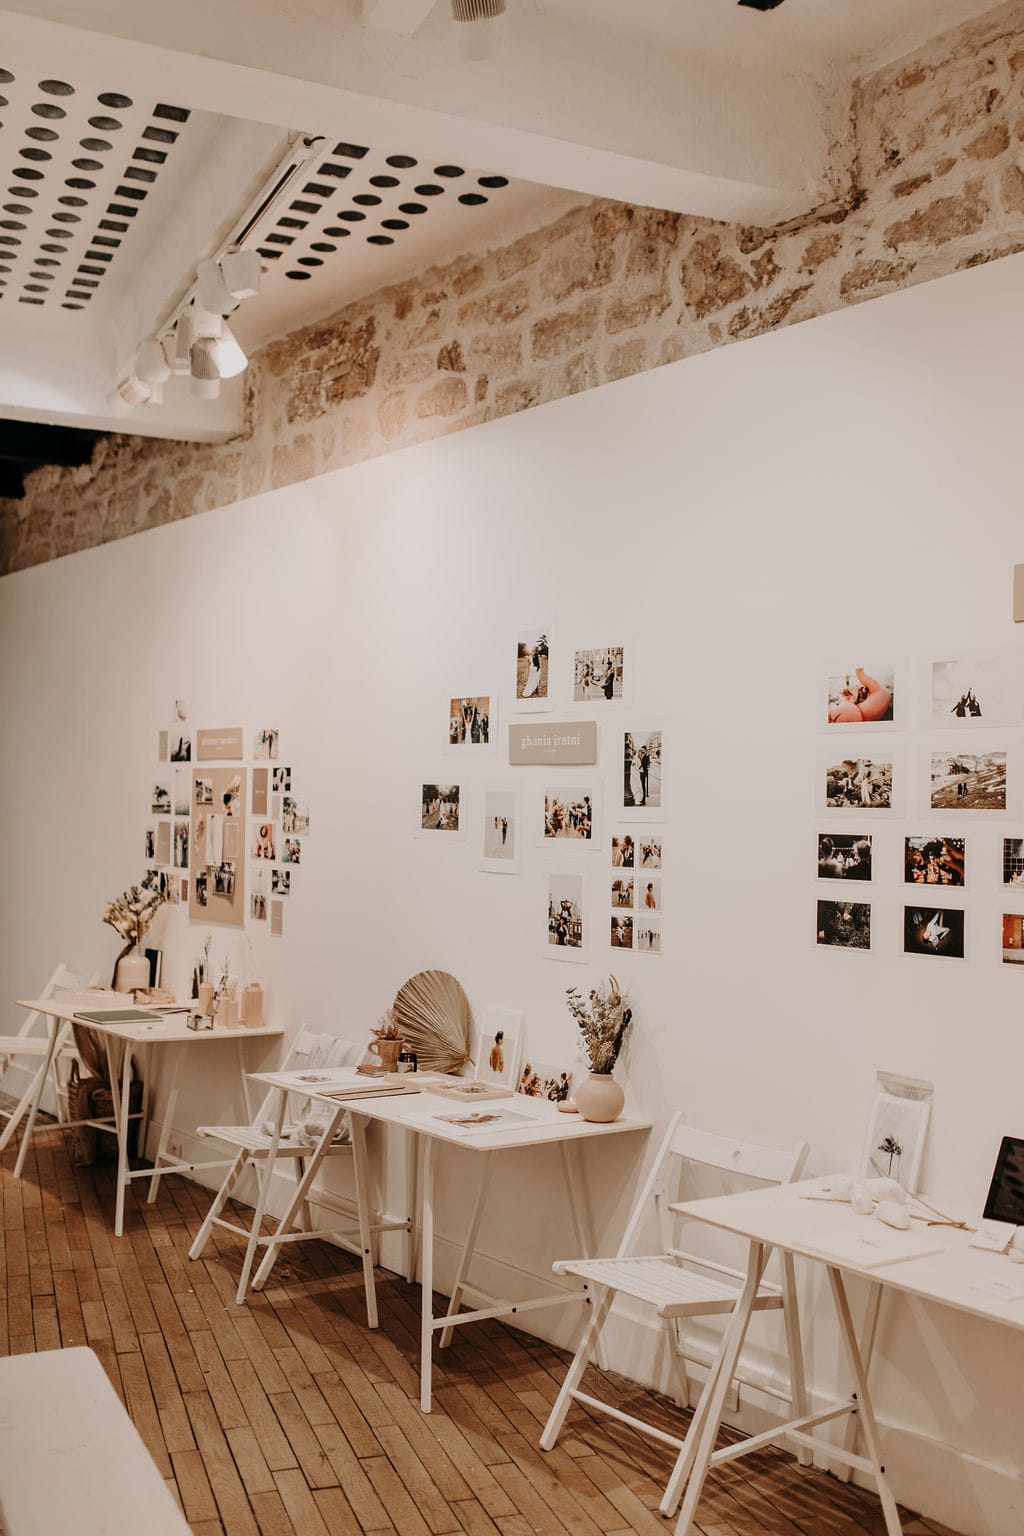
(99, 255)
(67, 218)
(429, 189)
(384, 181)
(322, 245)
(339, 172)
(46, 261)
(299, 276)
(5, 77)
(448, 170)
(58, 250)
(29, 301)
(73, 294)
(105, 124)
(394, 224)
(401, 162)
(350, 151)
(23, 191)
(472, 199)
(56, 88)
(81, 182)
(27, 174)
(98, 146)
(16, 208)
(11, 224)
(4, 102)
(275, 239)
(105, 240)
(36, 288)
(367, 199)
(122, 210)
(43, 277)
(153, 156)
(9, 240)
(115, 99)
(66, 305)
(412, 208)
(380, 239)
(174, 114)
(32, 153)
(317, 189)
(138, 193)
(492, 181)
(92, 271)
(351, 215)
(58, 234)
(69, 201)
(3, 280)
(286, 223)
(269, 255)
(336, 232)
(42, 135)
(114, 224)
(49, 110)
(139, 173)
(87, 165)
(159, 135)
(85, 282)
(310, 261)
(301, 207)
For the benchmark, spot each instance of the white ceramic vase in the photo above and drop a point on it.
(599, 1097)
(132, 971)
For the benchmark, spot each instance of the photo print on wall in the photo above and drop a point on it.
(623, 851)
(977, 690)
(179, 744)
(442, 811)
(647, 933)
(928, 932)
(1013, 860)
(1013, 938)
(570, 813)
(160, 800)
(533, 668)
(265, 743)
(621, 932)
(934, 860)
(896, 1129)
(843, 856)
(859, 783)
(844, 924)
(861, 696)
(294, 817)
(566, 915)
(501, 840)
(259, 889)
(539, 1081)
(641, 770)
(264, 840)
(599, 675)
(968, 781)
(471, 722)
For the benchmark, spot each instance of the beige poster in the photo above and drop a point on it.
(217, 882)
(220, 746)
(277, 919)
(260, 787)
(567, 742)
(163, 842)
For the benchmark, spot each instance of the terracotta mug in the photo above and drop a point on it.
(388, 1051)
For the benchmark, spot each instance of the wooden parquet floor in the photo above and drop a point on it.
(288, 1417)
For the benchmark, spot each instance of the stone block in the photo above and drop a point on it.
(945, 219)
(565, 332)
(444, 398)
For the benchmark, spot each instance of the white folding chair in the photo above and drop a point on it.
(263, 1143)
(31, 1044)
(680, 1285)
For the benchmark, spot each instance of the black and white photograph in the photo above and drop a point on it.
(598, 676)
(440, 809)
(1013, 860)
(280, 882)
(978, 690)
(181, 831)
(203, 791)
(1013, 938)
(294, 817)
(859, 784)
(469, 722)
(182, 791)
(930, 932)
(259, 880)
(280, 780)
(648, 850)
(532, 662)
(647, 934)
(180, 746)
(566, 916)
(622, 930)
(202, 895)
(895, 1135)
(861, 696)
(934, 860)
(538, 1081)
(641, 770)
(570, 813)
(648, 896)
(224, 878)
(160, 800)
(623, 851)
(968, 781)
(622, 891)
(844, 924)
(291, 850)
(265, 743)
(501, 831)
(150, 852)
(843, 856)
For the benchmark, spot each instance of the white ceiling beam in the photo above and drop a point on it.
(562, 106)
(400, 16)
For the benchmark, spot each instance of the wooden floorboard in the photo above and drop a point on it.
(288, 1417)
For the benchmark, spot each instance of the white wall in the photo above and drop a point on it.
(844, 488)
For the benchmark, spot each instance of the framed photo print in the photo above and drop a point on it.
(502, 832)
(844, 856)
(896, 1130)
(600, 675)
(442, 812)
(934, 860)
(856, 784)
(567, 915)
(844, 925)
(533, 661)
(934, 931)
(473, 722)
(967, 781)
(860, 696)
(499, 1047)
(1013, 938)
(641, 772)
(977, 690)
(571, 814)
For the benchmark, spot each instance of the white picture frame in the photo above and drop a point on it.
(499, 1048)
(568, 914)
(434, 817)
(501, 830)
(903, 1116)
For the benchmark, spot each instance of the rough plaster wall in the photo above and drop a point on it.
(606, 291)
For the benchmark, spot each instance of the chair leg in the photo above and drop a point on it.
(263, 1174)
(574, 1375)
(220, 1200)
(675, 1344)
(362, 1182)
(795, 1350)
(687, 1454)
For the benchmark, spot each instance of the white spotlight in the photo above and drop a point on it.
(228, 355)
(213, 294)
(205, 376)
(128, 394)
(242, 272)
(481, 28)
(152, 368)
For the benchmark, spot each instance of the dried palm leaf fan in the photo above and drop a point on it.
(433, 1012)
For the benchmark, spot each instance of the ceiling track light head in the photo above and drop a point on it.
(477, 10)
(203, 368)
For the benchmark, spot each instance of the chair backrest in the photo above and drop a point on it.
(684, 1144)
(62, 980)
(308, 1051)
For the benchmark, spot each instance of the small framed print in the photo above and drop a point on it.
(498, 1049)
(967, 781)
(502, 832)
(1013, 938)
(533, 669)
(855, 785)
(977, 690)
(571, 814)
(844, 855)
(567, 913)
(896, 1130)
(859, 697)
(642, 763)
(843, 925)
(602, 675)
(647, 933)
(934, 931)
(442, 812)
(473, 723)
(934, 860)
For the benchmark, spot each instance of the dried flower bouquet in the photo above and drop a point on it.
(602, 1022)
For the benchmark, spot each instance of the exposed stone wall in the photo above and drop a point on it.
(609, 290)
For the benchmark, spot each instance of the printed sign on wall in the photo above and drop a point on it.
(568, 742)
(220, 746)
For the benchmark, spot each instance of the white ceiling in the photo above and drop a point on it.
(145, 131)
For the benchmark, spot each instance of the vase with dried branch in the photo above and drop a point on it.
(130, 916)
(603, 1020)
(386, 1040)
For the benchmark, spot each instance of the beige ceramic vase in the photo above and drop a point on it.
(132, 972)
(599, 1097)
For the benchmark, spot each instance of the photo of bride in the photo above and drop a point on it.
(532, 665)
(641, 770)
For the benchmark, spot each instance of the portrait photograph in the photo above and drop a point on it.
(1013, 860)
(861, 695)
(843, 856)
(930, 932)
(598, 676)
(622, 931)
(532, 663)
(259, 882)
(265, 743)
(203, 791)
(280, 882)
(290, 850)
(160, 800)
(968, 781)
(844, 924)
(498, 1050)
(180, 746)
(648, 896)
(569, 813)
(469, 722)
(623, 851)
(647, 934)
(501, 831)
(224, 878)
(150, 852)
(280, 780)
(934, 860)
(977, 690)
(294, 817)
(566, 916)
(641, 770)
(202, 893)
(1013, 938)
(181, 831)
(859, 784)
(622, 891)
(648, 853)
(441, 810)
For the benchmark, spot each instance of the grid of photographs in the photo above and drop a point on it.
(635, 891)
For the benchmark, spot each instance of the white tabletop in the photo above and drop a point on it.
(822, 1229)
(71, 1460)
(537, 1122)
(170, 1028)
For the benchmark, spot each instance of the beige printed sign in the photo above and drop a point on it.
(221, 746)
(565, 741)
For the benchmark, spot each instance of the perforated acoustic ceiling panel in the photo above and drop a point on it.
(76, 167)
